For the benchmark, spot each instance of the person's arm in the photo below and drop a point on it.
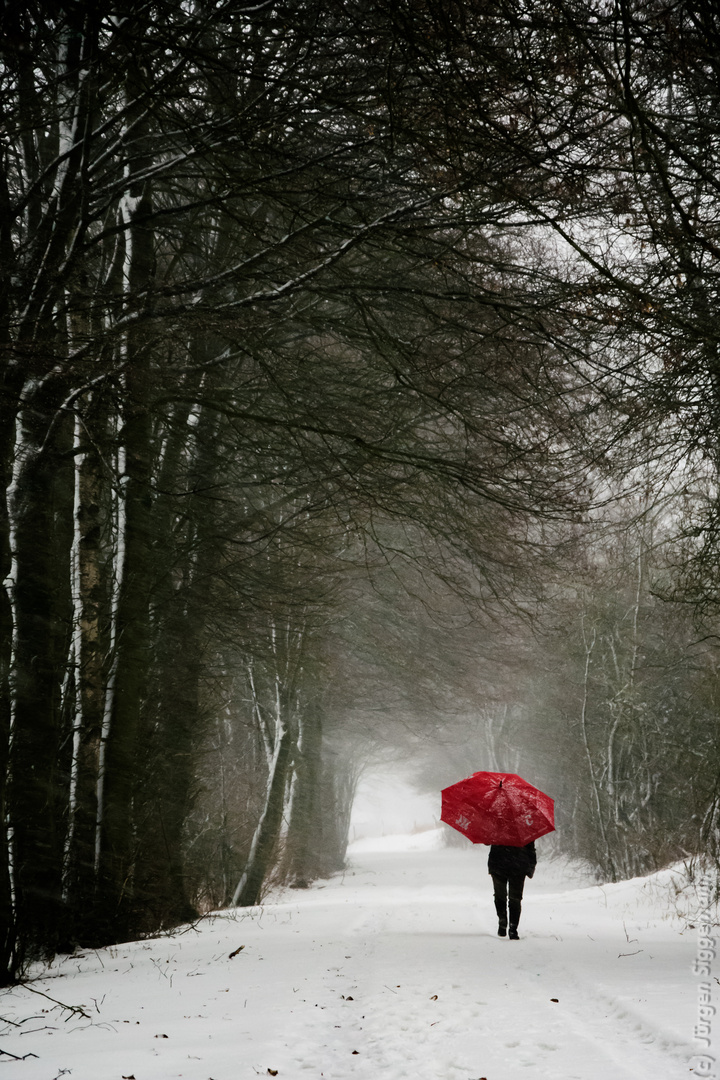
(532, 858)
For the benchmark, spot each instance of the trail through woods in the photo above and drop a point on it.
(391, 970)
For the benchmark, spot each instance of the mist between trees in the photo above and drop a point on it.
(359, 390)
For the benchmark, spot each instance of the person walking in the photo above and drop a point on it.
(508, 867)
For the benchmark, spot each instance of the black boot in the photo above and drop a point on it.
(513, 934)
(502, 914)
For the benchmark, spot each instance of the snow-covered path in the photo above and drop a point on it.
(391, 971)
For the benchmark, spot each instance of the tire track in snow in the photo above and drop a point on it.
(587, 1005)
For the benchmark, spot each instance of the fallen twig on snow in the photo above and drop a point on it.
(69, 1008)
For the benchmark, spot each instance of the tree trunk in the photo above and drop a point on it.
(131, 665)
(9, 958)
(182, 602)
(133, 640)
(337, 793)
(41, 550)
(304, 837)
(607, 854)
(90, 631)
(159, 875)
(249, 889)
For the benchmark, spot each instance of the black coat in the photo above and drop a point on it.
(506, 861)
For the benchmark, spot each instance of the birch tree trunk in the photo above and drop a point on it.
(91, 618)
(50, 222)
(280, 741)
(132, 653)
(8, 939)
(249, 888)
(131, 660)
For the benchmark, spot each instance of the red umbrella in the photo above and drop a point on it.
(498, 808)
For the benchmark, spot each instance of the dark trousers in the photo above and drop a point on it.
(508, 895)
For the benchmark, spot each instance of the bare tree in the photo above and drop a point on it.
(262, 307)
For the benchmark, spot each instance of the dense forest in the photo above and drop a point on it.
(359, 388)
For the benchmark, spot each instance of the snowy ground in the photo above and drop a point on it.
(390, 971)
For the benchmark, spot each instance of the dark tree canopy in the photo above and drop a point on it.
(289, 292)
